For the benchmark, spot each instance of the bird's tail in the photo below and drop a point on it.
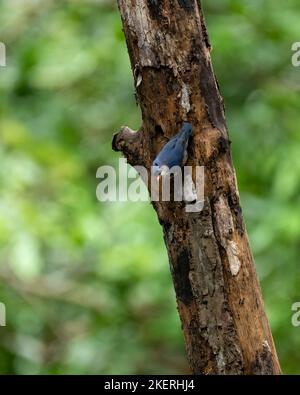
(185, 133)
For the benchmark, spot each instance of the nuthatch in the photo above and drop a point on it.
(174, 153)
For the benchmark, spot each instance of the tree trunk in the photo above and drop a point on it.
(218, 295)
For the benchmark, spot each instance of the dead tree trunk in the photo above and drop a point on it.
(218, 295)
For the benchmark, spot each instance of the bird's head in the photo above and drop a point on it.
(159, 170)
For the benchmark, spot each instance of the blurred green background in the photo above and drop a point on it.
(86, 284)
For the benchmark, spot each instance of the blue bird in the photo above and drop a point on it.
(174, 153)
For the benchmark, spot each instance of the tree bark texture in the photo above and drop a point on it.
(218, 294)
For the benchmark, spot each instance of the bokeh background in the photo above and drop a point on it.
(86, 284)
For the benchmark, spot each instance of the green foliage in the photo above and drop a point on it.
(86, 285)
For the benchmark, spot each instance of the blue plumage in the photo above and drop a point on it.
(174, 153)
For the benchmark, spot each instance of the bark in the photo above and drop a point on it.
(219, 299)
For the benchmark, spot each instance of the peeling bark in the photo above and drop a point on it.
(218, 295)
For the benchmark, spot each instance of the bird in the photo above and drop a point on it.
(173, 153)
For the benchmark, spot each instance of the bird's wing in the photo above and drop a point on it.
(166, 153)
(173, 153)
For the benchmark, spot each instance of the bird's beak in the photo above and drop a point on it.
(157, 175)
